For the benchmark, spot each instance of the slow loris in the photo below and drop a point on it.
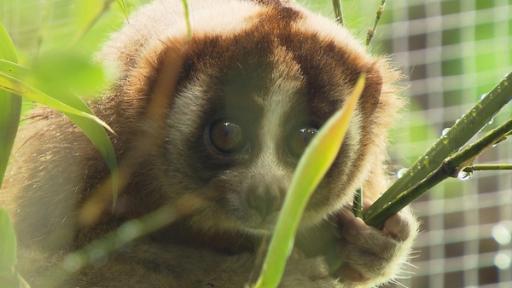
(222, 116)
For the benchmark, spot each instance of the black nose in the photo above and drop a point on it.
(264, 200)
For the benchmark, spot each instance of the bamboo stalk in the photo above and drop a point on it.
(463, 130)
(450, 167)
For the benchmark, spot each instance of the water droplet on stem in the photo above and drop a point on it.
(464, 175)
(400, 173)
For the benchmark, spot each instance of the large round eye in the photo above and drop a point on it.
(226, 136)
(299, 139)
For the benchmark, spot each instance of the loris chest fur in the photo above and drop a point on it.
(222, 118)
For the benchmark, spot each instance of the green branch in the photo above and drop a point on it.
(463, 130)
(450, 167)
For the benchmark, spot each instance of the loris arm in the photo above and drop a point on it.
(357, 254)
(369, 256)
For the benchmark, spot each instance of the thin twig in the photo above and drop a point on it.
(486, 167)
(336, 5)
(450, 167)
(187, 17)
(371, 31)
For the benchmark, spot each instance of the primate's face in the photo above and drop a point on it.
(245, 109)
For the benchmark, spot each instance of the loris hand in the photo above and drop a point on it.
(370, 256)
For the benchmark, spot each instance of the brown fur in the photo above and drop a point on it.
(51, 189)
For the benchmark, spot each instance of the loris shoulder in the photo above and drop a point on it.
(221, 117)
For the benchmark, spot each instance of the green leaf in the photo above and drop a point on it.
(75, 109)
(10, 106)
(65, 74)
(86, 11)
(18, 87)
(313, 165)
(123, 7)
(13, 69)
(7, 243)
(60, 73)
(7, 49)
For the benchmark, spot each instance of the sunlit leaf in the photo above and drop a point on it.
(65, 75)
(313, 165)
(123, 6)
(86, 11)
(7, 49)
(74, 108)
(13, 69)
(62, 72)
(10, 105)
(17, 87)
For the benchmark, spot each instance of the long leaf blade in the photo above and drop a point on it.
(15, 86)
(10, 106)
(312, 167)
(81, 77)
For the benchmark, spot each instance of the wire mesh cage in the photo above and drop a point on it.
(452, 52)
